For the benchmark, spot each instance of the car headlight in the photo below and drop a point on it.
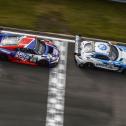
(55, 52)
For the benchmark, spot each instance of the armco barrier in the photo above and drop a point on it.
(70, 38)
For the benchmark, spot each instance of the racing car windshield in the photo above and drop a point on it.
(88, 47)
(113, 53)
(40, 47)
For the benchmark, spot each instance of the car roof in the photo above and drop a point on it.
(102, 48)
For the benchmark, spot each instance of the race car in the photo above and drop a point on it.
(100, 54)
(28, 50)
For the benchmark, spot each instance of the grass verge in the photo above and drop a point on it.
(92, 18)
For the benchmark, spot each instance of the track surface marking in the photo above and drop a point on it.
(56, 90)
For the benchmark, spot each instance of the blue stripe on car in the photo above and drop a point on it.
(122, 48)
(32, 45)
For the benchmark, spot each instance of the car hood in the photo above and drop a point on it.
(122, 53)
(102, 47)
(51, 49)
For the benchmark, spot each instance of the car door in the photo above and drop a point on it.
(22, 54)
(102, 61)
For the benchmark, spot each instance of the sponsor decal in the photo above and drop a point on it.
(102, 47)
(22, 56)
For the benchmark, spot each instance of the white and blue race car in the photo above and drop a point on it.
(101, 54)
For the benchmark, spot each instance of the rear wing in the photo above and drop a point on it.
(77, 43)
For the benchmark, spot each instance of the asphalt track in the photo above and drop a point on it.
(23, 95)
(93, 97)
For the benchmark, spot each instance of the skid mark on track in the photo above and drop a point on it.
(56, 90)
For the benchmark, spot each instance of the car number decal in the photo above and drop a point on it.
(22, 56)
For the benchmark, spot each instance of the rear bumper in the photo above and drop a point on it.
(78, 59)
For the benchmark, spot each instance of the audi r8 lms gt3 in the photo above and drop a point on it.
(100, 54)
(28, 50)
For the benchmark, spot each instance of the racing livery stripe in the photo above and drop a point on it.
(25, 41)
(31, 45)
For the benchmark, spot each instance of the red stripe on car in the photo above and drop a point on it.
(25, 41)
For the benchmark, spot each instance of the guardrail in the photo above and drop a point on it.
(56, 36)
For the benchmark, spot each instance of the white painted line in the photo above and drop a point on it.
(40, 36)
(56, 90)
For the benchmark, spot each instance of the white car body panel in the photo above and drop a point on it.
(84, 51)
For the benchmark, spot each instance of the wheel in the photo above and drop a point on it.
(123, 71)
(3, 57)
(120, 70)
(53, 65)
(81, 65)
(43, 63)
(89, 65)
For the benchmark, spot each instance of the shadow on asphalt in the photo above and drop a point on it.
(5, 65)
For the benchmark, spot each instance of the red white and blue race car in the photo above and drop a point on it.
(28, 50)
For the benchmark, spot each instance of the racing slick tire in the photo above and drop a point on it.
(3, 57)
(43, 63)
(88, 65)
(120, 70)
(53, 65)
(123, 71)
(81, 65)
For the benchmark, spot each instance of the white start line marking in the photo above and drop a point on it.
(56, 89)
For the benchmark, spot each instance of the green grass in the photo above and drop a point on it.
(92, 18)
